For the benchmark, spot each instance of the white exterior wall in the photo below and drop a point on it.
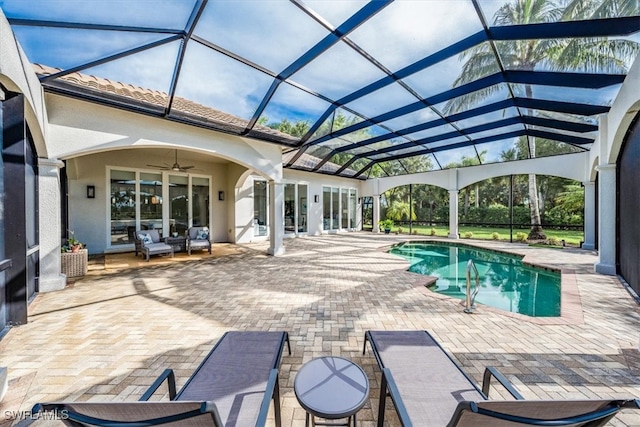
(89, 219)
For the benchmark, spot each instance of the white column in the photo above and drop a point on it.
(589, 216)
(376, 213)
(606, 219)
(453, 214)
(51, 278)
(276, 218)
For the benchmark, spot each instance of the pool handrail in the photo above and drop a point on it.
(471, 297)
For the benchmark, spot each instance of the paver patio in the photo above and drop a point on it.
(108, 335)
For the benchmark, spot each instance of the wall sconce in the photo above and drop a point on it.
(359, 200)
(316, 199)
(220, 195)
(91, 191)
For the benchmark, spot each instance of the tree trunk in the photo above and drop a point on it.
(477, 195)
(536, 232)
(466, 201)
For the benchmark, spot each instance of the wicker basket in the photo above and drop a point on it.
(74, 264)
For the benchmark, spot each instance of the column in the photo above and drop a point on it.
(49, 196)
(276, 218)
(453, 214)
(606, 220)
(589, 216)
(376, 213)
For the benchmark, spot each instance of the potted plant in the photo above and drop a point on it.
(74, 257)
(386, 224)
(73, 244)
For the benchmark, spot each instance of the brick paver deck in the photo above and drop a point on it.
(108, 335)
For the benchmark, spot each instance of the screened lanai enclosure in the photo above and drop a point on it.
(345, 93)
(352, 88)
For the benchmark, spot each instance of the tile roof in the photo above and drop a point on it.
(156, 98)
(181, 106)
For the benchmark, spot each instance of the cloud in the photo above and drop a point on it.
(217, 81)
(272, 34)
(406, 31)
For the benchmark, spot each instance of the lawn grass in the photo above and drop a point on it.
(571, 237)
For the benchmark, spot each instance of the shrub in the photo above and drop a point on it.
(521, 237)
(432, 232)
(400, 230)
(386, 223)
(553, 241)
(468, 235)
(495, 236)
(415, 231)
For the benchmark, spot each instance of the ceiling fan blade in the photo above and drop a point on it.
(187, 167)
(157, 166)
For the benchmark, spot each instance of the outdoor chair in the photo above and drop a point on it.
(151, 244)
(198, 238)
(233, 386)
(428, 388)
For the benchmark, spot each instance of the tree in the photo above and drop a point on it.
(588, 55)
(400, 210)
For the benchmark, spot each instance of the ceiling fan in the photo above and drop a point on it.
(175, 167)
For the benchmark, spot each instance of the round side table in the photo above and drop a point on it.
(331, 388)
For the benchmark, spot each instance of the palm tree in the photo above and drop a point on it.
(588, 55)
(400, 210)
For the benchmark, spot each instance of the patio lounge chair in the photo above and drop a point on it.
(198, 238)
(233, 386)
(152, 244)
(429, 389)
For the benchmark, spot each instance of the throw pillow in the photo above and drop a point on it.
(145, 238)
(203, 234)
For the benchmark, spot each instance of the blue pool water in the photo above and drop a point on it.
(505, 282)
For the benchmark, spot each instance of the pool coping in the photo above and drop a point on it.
(570, 303)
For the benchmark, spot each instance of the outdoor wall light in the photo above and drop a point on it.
(91, 191)
(220, 195)
(316, 199)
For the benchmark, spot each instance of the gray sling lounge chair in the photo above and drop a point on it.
(233, 386)
(429, 389)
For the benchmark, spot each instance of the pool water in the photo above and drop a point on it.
(505, 282)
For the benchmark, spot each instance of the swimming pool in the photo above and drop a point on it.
(505, 282)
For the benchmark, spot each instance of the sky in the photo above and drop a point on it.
(271, 35)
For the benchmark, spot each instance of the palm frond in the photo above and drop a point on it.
(476, 67)
(597, 55)
(468, 101)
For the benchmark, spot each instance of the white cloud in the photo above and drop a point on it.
(406, 31)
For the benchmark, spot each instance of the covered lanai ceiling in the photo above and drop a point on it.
(351, 88)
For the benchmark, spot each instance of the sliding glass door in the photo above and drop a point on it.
(162, 201)
(295, 208)
(339, 208)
